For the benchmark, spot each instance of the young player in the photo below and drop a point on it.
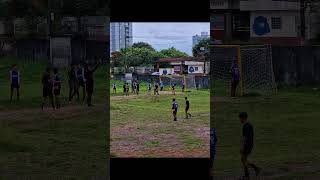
(235, 78)
(247, 145)
(127, 89)
(174, 109)
(187, 108)
(114, 88)
(72, 79)
(81, 81)
(56, 87)
(124, 88)
(14, 76)
(149, 88)
(182, 85)
(156, 89)
(138, 87)
(161, 86)
(47, 87)
(89, 80)
(132, 87)
(173, 88)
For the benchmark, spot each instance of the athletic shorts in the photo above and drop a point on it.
(174, 112)
(187, 108)
(15, 86)
(56, 92)
(46, 92)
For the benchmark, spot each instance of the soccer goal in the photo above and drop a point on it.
(255, 66)
(188, 80)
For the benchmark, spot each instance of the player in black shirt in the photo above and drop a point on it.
(56, 87)
(73, 87)
(174, 109)
(47, 90)
(187, 108)
(88, 72)
(247, 145)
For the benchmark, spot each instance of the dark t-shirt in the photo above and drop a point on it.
(187, 104)
(247, 133)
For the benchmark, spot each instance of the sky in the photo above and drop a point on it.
(166, 35)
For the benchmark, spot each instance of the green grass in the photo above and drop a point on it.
(70, 143)
(286, 131)
(145, 123)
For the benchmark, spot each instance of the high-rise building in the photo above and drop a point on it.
(120, 36)
(197, 38)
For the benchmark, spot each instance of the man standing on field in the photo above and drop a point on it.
(247, 145)
(235, 73)
(174, 109)
(14, 76)
(187, 108)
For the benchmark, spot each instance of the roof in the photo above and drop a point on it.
(181, 59)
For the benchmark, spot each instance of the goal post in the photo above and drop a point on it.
(255, 67)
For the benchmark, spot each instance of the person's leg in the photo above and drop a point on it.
(186, 111)
(18, 93)
(43, 101)
(233, 91)
(89, 99)
(58, 101)
(84, 92)
(11, 92)
(245, 164)
(256, 168)
(51, 101)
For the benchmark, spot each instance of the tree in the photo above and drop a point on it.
(173, 53)
(143, 45)
(201, 49)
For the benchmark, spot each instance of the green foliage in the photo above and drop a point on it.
(143, 45)
(197, 49)
(173, 52)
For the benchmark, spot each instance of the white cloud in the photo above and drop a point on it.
(166, 35)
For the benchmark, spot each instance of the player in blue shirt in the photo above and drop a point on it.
(235, 78)
(56, 88)
(14, 76)
(81, 81)
(174, 109)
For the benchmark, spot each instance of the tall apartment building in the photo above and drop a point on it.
(120, 36)
(197, 38)
(268, 21)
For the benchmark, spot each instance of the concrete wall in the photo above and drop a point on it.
(289, 27)
(254, 5)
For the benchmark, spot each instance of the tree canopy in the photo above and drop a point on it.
(173, 52)
(143, 45)
(202, 48)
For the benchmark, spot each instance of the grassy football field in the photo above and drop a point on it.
(143, 126)
(69, 142)
(286, 127)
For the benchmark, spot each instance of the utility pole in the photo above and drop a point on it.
(303, 6)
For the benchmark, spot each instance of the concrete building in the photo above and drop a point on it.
(197, 38)
(121, 36)
(267, 21)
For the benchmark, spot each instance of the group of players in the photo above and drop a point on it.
(78, 77)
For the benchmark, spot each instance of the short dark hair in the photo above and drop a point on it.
(243, 115)
(14, 65)
(185, 98)
(173, 99)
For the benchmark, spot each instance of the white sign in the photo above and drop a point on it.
(165, 71)
(195, 69)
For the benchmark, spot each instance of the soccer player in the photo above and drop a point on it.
(173, 87)
(247, 145)
(182, 85)
(72, 79)
(149, 88)
(46, 80)
(174, 109)
(138, 87)
(81, 81)
(161, 86)
(156, 89)
(14, 76)
(187, 108)
(127, 89)
(124, 88)
(89, 80)
(114, 88)
(235, 78)
(56, 88)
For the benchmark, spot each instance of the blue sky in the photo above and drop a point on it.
(166, 35)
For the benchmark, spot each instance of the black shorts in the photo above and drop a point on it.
(56, 92)
(47, 92)
(15, 86)
(174, 112)
(187, 108)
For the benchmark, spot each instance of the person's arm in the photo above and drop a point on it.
(10, 74)
(83, 76)
(18, 77)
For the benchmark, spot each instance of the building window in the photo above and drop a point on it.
(276, 23)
